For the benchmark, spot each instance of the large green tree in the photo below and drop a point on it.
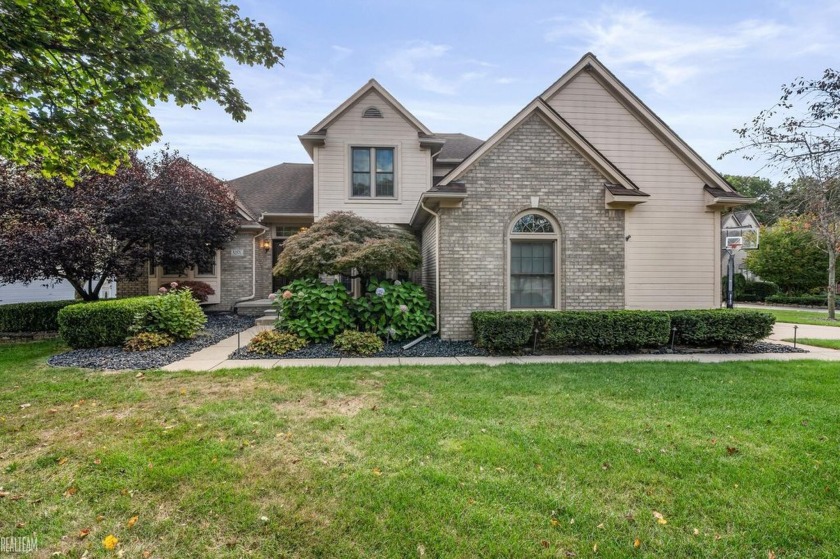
(77, 77)
(789, 256)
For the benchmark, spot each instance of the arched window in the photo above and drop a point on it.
(533, 261)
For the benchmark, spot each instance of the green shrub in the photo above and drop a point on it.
(394, 310)
(101, 323)
(804, 300)
(275, 343)
(501, 331)
(313, 310)
(720, 327)
(145, 341)
(200, 290)
(760, 289)
(602, 330)
(175, 312)
(359, 343)
(31, 317)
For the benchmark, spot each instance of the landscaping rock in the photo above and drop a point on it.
(219, 326)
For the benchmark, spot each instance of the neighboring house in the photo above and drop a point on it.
(583, 200)
(46, 290)
(741, 226)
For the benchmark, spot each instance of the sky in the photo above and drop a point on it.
(703, 67)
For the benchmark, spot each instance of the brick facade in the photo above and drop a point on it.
(236, 274)
(533, 160)
(133, 288)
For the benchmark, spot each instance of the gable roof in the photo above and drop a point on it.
(559, 124)
(283, 189)
(371, 85)
(589, 63)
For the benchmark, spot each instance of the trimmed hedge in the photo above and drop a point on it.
(804, 300)
(760, 289)
(614, 330)
(502, 331)
(721, 327)
(31, 317)
(101, 323)
(602, 330)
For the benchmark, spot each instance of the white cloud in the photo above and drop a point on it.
(666, 52)
(340, 53)
(434, 68)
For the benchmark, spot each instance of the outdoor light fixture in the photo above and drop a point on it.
(265, 244)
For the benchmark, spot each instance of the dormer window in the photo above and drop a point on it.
(373, 173)
(372, 112)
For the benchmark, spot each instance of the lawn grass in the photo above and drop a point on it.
(830, 344)
(513, 461)
(803, 317)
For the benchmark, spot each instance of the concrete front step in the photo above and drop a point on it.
(266, 320)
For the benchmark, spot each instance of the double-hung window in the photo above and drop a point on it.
(373, 173)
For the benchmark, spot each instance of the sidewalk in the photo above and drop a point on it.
(215, 357)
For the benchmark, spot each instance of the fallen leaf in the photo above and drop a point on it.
(24, 406)
(62, 461)
(147, 554)
(84, 533)
(696, 532)
(97, 461)
(572, 521)
(421, 549)
(71, 491)
(771, 555)
(110, 542)
(139, 375)
(601, 526)
(659, 518)
(730, 450)
(131, 522)
(52, 410)
(717, 537)
(183, 391)
(20, 525)
(99, 518)
(605, 466)
(545, 544)
(595, 548)
(16, 497)
(554, 522)
(629, 517)
(637, 543)
(714, 441)
(377, 472)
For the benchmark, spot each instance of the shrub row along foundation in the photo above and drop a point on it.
(512, 331)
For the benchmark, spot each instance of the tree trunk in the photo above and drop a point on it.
(81, 292)
(832, 284)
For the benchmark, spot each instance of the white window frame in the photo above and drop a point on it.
(372, 197)
(554, 238)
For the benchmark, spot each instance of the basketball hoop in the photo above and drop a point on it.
(734, 247)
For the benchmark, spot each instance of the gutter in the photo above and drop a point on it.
(253, 271)
(437, 278)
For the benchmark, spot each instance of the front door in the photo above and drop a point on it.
(276, 250)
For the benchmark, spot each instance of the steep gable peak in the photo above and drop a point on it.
(590, 64)
(371, 86)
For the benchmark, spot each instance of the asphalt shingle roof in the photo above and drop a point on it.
(457, 146)
(285, 188)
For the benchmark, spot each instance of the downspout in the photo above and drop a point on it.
(437, 278)
(253, 272)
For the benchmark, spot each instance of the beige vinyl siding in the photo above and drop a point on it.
(672, 257)
(332, 175)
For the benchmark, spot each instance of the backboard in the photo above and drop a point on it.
(745, 238)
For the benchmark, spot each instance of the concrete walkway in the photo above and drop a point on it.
(216, 357)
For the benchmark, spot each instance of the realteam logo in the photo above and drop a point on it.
(19, 544)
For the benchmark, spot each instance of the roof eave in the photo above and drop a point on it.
(446, 199)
